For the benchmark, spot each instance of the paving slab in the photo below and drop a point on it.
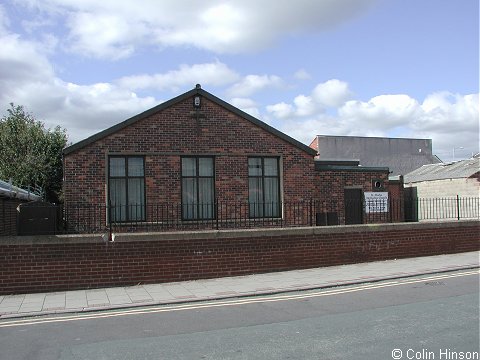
(178, 291)
(97, 298)
(9, 310)
(12, 300)
(30, 308)
(76, 299)
(54, 301)
(163, 298)
(34, 298)
(138, 294)
(116, 292)
(120, 300)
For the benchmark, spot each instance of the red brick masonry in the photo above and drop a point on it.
(50, 263)
(8, 216)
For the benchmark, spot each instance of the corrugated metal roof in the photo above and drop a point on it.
(11, 191)
(457, 170)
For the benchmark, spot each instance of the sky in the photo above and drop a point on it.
(388, 68)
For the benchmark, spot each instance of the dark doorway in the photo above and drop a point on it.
(353, 206)
(411, 204)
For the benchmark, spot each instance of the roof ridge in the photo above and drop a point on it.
(197, 90)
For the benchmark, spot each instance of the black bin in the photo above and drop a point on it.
(37, 218)
(326, 218)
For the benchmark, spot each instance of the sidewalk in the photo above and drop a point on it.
(167, 293)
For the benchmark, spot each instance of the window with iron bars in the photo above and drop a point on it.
(198, 188)
(264, 187)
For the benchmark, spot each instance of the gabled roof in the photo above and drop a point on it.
(196, 91)
(458, 170)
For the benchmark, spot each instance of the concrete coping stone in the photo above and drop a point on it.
(230, 234)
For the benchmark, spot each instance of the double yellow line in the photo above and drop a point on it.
(231, 302)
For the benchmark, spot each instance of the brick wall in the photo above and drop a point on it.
(397, 198)
(8, 216)
(50, 263)
(331, 184)
(314, 144)
(165, 136)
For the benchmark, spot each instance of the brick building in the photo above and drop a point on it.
(341, 186)
(196, 158)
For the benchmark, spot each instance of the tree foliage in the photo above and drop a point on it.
(30, 155)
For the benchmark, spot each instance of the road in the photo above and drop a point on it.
(427, 317)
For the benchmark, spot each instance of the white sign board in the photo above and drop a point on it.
(376, 202)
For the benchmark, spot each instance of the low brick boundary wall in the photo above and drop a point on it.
(8, 216)
(52, 263)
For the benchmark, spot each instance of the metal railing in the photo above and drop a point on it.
(84, 218)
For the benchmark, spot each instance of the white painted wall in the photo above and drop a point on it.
(438, 199)
(447, 188)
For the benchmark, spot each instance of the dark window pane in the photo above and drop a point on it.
(255, 197)
(254, 167)
(272, 204)
(136, 199)
(117, 166)
(189, 167)
(189, 198)
(135, 166)
(126, 193)
(205, 198)
(271, 166)
(264, 187)
(198, 184)
(205, 166)
(118, 200)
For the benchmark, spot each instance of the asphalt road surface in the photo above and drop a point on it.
(427, 317)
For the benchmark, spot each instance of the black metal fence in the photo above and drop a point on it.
(81, 218)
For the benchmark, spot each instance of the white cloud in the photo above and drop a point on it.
(381, 112)
(82, 109)
(451, 120)
(117, 29)
(247, 105)
(253, 83)
(281, 110)
(21, 61)
(302, 74)
(220, 28)
(454, 119)
(27, 78)
(213, 74)
(114, 29)
(4, 20)
(331, 93)
(104, 35)
(447, 110)
(305, 105)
